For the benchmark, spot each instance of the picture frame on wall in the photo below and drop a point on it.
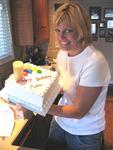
(108, 13)
(110, 24)
(102, 32)
(109, 33)
(94, 28)
(102, 24)
(95, 13)
(109, 39)
(94, 31)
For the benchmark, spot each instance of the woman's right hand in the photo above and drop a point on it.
(20, 108)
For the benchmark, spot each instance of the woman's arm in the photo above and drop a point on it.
(86, 96)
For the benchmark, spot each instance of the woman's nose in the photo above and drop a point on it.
(61, 35)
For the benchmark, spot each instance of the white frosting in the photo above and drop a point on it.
(38, 83)
(37, 90)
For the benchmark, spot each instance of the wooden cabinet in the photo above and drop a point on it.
(40, 20)
(30, 21)
(22, 25)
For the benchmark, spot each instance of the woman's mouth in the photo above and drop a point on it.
(64, 43)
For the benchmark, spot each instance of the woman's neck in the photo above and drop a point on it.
(72, 53)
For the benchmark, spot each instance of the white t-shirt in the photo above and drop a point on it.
(91, 69)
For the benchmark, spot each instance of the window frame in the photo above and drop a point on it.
(10, 50)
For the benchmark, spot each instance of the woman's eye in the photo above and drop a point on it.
(68, 31)
(57, 30)
(65, 31)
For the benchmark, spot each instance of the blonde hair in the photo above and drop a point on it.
(78, 18)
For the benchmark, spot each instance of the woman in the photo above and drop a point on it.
(79, 119)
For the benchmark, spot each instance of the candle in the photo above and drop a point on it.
(17, 69)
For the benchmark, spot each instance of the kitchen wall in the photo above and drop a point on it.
(105, 47)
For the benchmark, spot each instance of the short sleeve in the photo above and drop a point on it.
(95, 73)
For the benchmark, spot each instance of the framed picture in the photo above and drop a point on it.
(110, 24)
(94, 28)
(95, 13)
(102, 24)
(109, 32)
(102, 33)
(109, 39)
(108, 12)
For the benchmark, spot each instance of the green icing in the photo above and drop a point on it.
(39, 71)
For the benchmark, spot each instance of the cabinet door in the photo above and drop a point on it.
(40, 21)
(22, 25)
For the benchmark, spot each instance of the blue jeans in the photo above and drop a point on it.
(59, 139)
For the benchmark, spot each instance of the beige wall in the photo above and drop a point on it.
(105, 47)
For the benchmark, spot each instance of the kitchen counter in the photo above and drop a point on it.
(6, 142)
(29, 133)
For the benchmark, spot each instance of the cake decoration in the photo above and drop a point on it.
(17, 69)
(35, 88)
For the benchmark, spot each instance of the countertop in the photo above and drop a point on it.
(6, 142)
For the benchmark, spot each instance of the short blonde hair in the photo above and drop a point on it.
(79, 20)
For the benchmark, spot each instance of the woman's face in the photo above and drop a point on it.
(66, 37)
